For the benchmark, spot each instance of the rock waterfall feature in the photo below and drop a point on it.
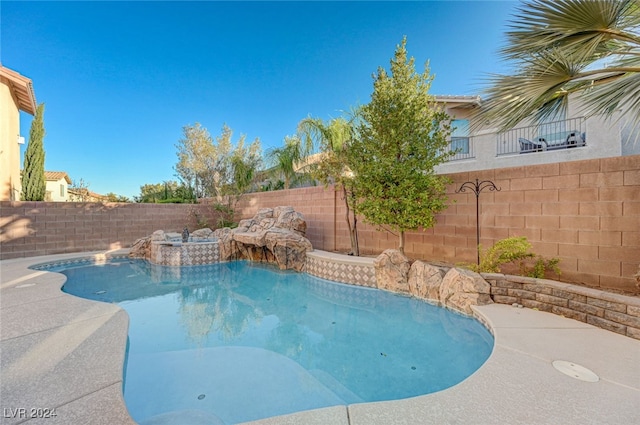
(273, 235)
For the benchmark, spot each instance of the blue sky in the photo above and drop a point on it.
(121, 79)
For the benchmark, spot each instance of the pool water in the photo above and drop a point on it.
(233, 342)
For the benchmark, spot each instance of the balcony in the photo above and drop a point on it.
(464, 148)
(562, 141)
(549, 136)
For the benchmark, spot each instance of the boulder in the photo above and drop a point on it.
(158, 235)
(250, 238)
(289, 248)
(226, 246)
(287, 218)
(273, 235)
(462, 288)
(141, 248)
(243, 225)
(392, 271)
(425, 280)
(202, 235)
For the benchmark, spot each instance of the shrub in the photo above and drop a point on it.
(511, 250)
(540, 267)
(504, 251)
(225, 216)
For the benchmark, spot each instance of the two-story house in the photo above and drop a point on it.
(16, 94)
(568, 138)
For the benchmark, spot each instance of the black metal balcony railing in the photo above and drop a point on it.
(463, 147)
(543, 137)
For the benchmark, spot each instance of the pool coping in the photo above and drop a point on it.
(51, 342)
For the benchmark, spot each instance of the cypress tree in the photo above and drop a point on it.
(33, 182)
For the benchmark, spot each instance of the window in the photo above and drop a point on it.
(460, 136)
(62, 190)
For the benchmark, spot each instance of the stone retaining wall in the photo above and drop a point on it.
(614, 312)
(606, 310)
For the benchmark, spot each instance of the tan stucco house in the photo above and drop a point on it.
(16, 94)
(57, 186)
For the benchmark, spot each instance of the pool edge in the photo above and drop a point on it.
(505, 385)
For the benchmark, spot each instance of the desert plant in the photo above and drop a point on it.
(540, 267)
(503, 251)
(511, 250)
(225, 215)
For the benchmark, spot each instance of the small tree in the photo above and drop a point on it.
(79, 191)
(34, 186)
(403, 136)
(166, 192)
(334, 139)
(285, 159)
(196, 154)
(113, 197)
(213, 167)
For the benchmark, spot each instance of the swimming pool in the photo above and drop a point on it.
(240, 341)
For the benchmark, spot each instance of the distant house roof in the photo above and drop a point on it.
(56, 175)
(88, 196)
(23, 89)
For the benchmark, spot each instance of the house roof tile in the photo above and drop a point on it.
(56, 175)
(22, 87)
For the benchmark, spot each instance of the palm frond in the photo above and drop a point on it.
(621, 94)
(540, 89)
(593, 27)
(561, 47)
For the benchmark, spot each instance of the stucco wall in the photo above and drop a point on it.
(53, 190)
(9, 148)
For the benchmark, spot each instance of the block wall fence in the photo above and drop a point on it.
(30, 229)
(587, 213)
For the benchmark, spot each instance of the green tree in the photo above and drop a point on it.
(196, 155)
(34, 185)
(560, 47)
(286, 160)
(402, 137)
(112, 197)
(216, 169)
(165, 192)
(244, 163)
(334, 139)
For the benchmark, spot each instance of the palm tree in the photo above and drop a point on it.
(560, 47)
(333, 139)
(286, 159)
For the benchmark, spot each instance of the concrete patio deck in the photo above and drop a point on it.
(66, 353)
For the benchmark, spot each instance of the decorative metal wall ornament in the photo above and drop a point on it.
(478, 187)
